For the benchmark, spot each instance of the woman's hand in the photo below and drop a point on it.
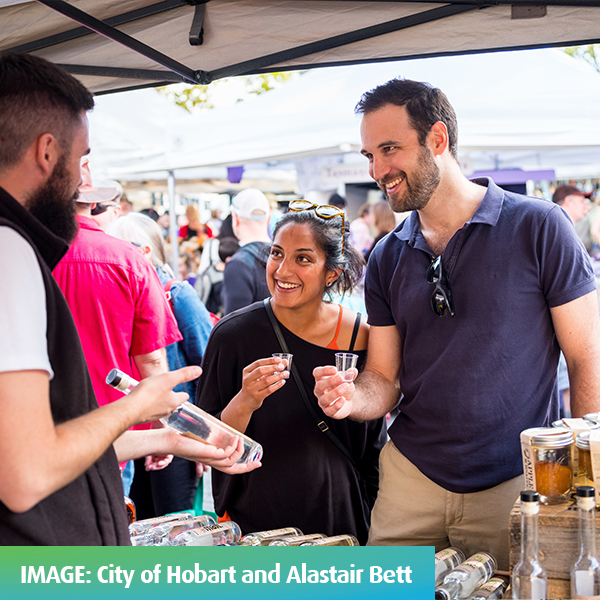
(260, 379)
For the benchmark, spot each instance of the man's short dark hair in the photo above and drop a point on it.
(424, 103)
(37, 97)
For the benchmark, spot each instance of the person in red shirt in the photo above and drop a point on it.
(118, 304)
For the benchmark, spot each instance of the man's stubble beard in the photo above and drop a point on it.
(420, 189)
(54, 203)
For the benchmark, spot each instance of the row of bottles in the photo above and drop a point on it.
(183, 529)
(456, 577)
(529, 579)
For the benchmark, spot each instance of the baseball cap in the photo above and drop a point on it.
(90, 192)
(251, 204)
(562, 191)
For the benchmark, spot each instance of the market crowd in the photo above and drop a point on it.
(467, 303)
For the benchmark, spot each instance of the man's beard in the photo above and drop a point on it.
(54, 203)
(423, 183)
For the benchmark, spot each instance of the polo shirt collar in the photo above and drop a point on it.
(487, 213)
(50, 246)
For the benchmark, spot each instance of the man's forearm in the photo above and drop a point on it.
(584, 382)
(374, 397)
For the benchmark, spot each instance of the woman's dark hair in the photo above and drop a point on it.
(328, 235)
(424, 103)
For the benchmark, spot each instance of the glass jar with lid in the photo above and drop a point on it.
(585, 475)
(552, 451)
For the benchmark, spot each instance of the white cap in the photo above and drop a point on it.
(251, 204)
(97, 191)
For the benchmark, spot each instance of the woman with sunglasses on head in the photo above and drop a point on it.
(308, 480)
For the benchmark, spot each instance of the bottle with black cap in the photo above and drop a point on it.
(529, 579)
(467, 577)
(585, 574)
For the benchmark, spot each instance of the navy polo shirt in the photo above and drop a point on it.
(472, 383)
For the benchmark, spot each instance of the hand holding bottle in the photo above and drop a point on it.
(153, 398)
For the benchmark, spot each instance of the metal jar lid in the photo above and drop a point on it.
(553, 437)
(583, 440)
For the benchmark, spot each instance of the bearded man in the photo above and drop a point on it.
(59, 476)
(470, 300)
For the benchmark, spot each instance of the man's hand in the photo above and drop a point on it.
(154, 398)
(333, 393)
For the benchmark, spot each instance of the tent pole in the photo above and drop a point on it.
(173, 229)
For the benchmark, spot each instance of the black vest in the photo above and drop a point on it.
(90, 510)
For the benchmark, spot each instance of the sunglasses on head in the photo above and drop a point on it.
(325, 211)
(441, 299)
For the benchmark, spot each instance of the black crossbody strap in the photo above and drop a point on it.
(294, 371)
(354, 332)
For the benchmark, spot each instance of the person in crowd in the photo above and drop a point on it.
(338, 201)
(360, 229)
(70, 491)
(116, 301)
(307, 481)
(107, 208)
(215, 222)
(194, 228)
(186, 269)
(171, 489)
(125, 204)
(209, 284)
(384, 221)
(574, 202)
(244, 280)
(164, 222)
(469, 302)
(150, 212)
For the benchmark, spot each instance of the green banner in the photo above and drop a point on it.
(224, 572)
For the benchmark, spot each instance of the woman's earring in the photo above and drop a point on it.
(329, 284)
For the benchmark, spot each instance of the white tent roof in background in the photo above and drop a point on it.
(528, 109)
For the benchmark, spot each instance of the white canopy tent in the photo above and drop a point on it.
(527, 109)
(122, 44)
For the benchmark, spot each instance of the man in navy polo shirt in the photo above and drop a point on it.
(470, 300)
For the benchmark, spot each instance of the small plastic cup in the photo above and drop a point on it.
(345, 361)
(283, 356)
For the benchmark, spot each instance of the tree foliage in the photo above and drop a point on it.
(590, 54)
(194, 97)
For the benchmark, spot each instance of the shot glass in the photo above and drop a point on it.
(283, 356)
(345, 361)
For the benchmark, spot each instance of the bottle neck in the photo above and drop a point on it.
(529, 536)
(587, 531)
(447, 591)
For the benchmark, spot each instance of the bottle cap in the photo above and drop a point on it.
(530, 496)
(113, 378)
(585, 491)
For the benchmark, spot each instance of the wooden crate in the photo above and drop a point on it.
(558, 543)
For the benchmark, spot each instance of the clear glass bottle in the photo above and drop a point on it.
(264, 538)
(446, 560)
(585, 574)
(146, 539)
(193, 422)
(529, 579)
(296, 540)
(491, 590)
(174, 528)
(334, 540)
(213, 535)
(139, 527)
(467, 577)
(553, 464)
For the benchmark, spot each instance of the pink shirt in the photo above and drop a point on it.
(118, 303)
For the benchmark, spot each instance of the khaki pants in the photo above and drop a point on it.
(412, 510)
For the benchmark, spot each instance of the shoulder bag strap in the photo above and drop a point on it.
(355, 332)
(167, 287)
(294, 371)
